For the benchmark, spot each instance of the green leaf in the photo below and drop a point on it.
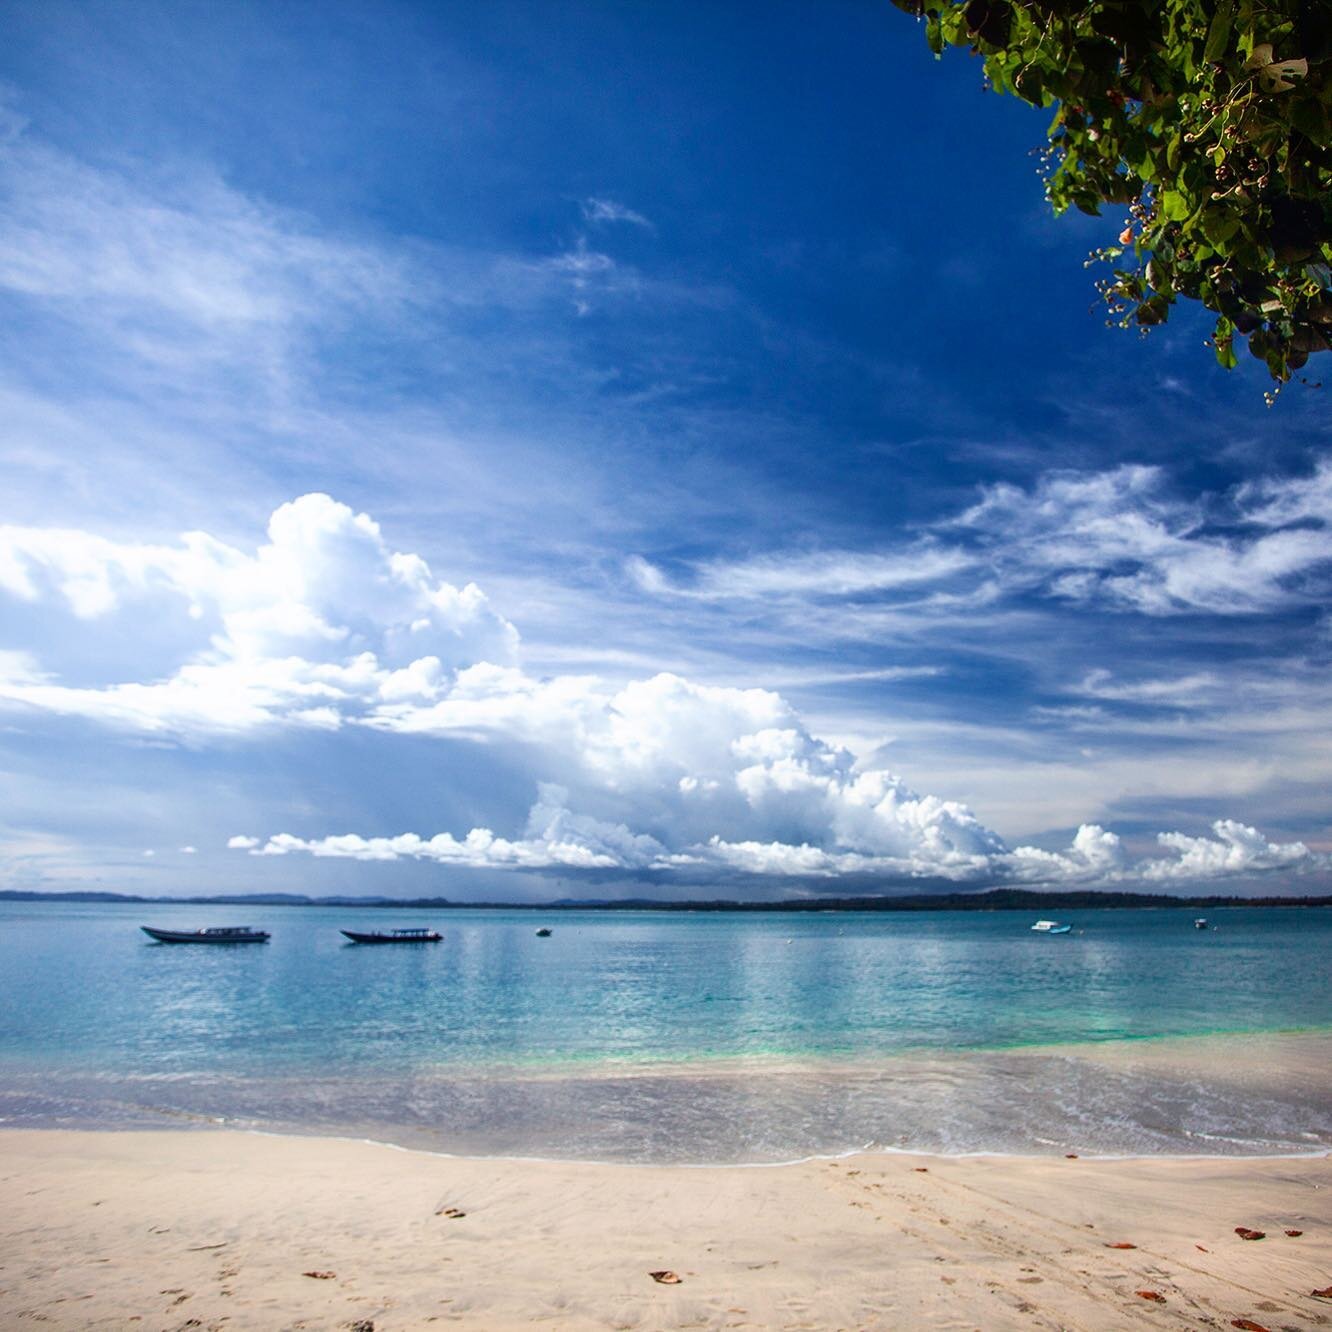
(1153, 311)
(1218, 34)
(1309, 116)
(1218, 225)
(1275, 75)
(1175, 206)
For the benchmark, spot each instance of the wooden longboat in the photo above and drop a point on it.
(392, 936)
(211, 934)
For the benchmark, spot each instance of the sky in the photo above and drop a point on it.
(533, 450)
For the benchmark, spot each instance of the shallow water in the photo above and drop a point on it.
(682, 1037)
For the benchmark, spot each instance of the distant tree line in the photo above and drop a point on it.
(994, 899)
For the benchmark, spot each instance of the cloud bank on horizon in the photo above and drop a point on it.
(325, 626)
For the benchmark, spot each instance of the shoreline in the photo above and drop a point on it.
(112, 1229)
(1242, 1097)
(294, 1133)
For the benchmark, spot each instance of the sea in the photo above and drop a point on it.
(683, 1038)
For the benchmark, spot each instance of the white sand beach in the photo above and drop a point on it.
(223, 1230)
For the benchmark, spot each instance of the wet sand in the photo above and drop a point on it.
(220, 1230)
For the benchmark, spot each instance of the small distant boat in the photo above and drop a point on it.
(212, 934)
(1051, 927)
(1201, 923)
(544, 932)
(393, 936)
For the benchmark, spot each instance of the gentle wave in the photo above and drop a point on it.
(1268, 1097)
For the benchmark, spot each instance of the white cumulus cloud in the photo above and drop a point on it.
(1236, 849)
(324, 625)
(319, 625)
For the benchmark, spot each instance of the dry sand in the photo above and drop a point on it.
(214, 1230)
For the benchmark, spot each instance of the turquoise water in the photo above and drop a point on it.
(672, 1036)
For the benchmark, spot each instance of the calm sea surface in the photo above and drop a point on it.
(682, 1037)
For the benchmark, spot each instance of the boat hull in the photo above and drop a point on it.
(203, 937)
(359, 938)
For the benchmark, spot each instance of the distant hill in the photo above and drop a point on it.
(994, 899)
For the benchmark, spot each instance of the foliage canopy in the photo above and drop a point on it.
(1210, 121)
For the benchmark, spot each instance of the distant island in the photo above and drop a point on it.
(994, 899)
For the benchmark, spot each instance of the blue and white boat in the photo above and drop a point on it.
(1051, 927)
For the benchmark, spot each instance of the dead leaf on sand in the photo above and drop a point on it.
(453, 1213)
(1070, 1156)
(321, 1276)
(665, 1278)
(1200, 1249)
(921, 1170)
(1324, 1294)
(1294, 1234)
(1154, 1295)
(1123, 1244)
(1245, 1233)
(1248, 1325)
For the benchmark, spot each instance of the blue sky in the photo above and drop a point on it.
(538, 449)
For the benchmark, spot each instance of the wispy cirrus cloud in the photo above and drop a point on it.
(1118, 539)
(1180, 691)
(1114, 539)
(598, 208)
(188, 271)
(815, 574)
(171, 284)
(1275, 501)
